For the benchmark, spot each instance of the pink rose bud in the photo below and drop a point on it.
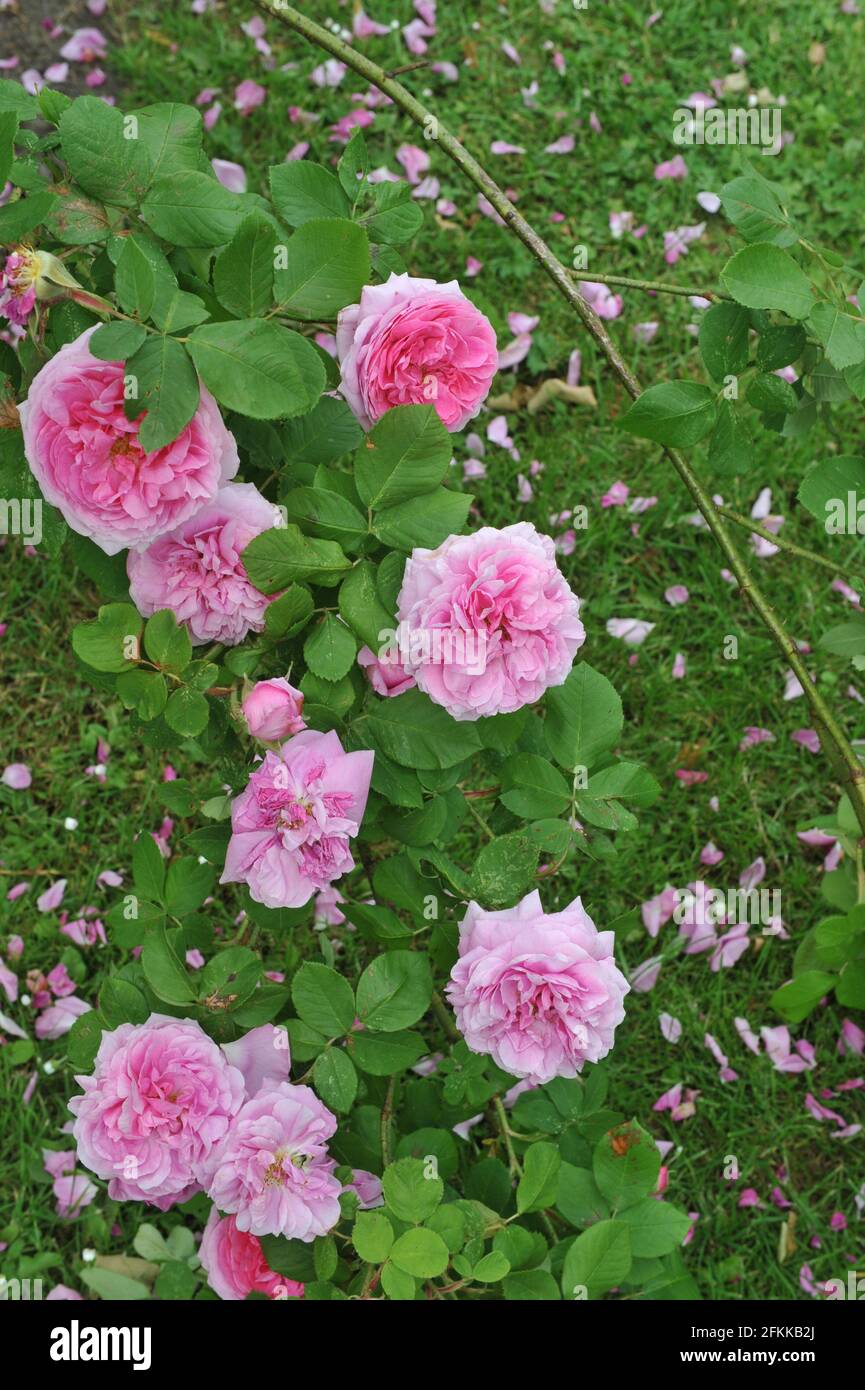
(386, 676)
(273, 710)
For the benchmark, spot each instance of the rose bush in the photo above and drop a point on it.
(237, 410)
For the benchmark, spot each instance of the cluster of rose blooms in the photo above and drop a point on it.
(185, 524)
(167, 1112)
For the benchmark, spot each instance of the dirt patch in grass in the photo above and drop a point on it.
(28, 32)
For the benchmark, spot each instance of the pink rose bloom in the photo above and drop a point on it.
(273, 710)
(487, 622)
(291, 826)
(161, 1097)
(368, 1189)
(385, 674)
(234, 1263)
(197, 571)
(17, 288)
(540, 992)
(410, 342)
(272, 1171)
(85, 454)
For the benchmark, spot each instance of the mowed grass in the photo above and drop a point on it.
(53, 717)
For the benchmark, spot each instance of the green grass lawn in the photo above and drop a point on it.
(632, 78)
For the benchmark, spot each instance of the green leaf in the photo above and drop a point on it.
(656, 1227)
(243, 272)
(231, 976)
(353, 165)
(420, 1252)
(504, 869)
(724, 340)
(730, 444)
(291, 1258)
(108, 643)
(83, 1039)
(323, 435)
(491, 1268)
(171, 133)
(372, 1236)
(323, 999)
(286, 556)
(21, 216)
(846, 639)
(584, 718)
(143, 691)
(751, 206)
(578, 1198)
(114, 342)
(409, 1193)
(850, 989)
(676, 413)
(122, 1002)
(326, 514)
(187, 712)
(825, 487)
(191, 208)
(778, 347)
(532, 788)
(330, 649)
(101, 159)
(113, 1286)
(148, 868)
(394, 991)
(335, 1079)
(406, 454)
(531, 1285)
(598, 1260)
(187, 884)
(796, 999)
(540, 1177)
(600, 805)
(423, 521)
(302, 191)
(764, 277)
(13, 97)
(8, 131)
(288, 614)
(166, 642)
(772, 395)
(384, 1054)
(397, 217)
(257, 367)
(842, 335)
(396, 1283)
(175, 1280)
(361, 607)
(134, 281)
(417, 828)
(416, 733)
(78, 220)
(328, 266)
(163, 969)
(626, 1164)
(166, 387)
